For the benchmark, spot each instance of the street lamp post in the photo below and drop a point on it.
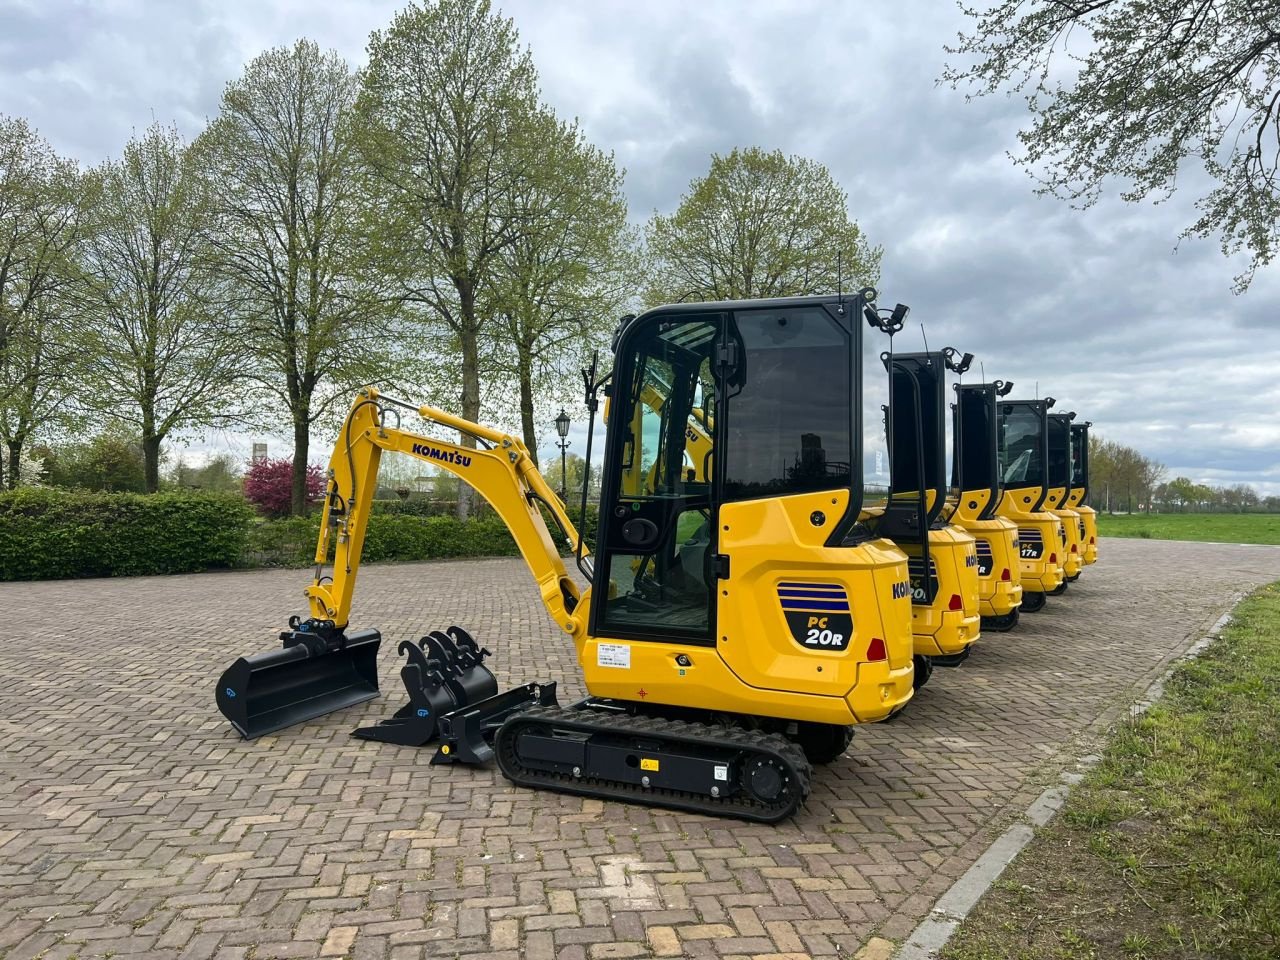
(562, 428)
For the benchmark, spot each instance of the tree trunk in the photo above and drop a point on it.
(469, 336)
(524, 359)
(299, 504)
(15, 458)
(151, 461)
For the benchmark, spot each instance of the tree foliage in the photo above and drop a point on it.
(1120, 477)
(567, 272)
(111, 461)
(221, 473)
(281, 163)
(40, 227)
(759, 224)
(444, 108)
(1138, 90)
(162, 351)
(268, 485)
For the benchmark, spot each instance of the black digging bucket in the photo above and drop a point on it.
(310, 676)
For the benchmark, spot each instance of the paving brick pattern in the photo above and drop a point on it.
(134, 823)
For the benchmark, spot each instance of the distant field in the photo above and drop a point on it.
(1217, 527)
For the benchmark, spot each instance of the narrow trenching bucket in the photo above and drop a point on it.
(462, 662)
(310, 676)
(430, 698)
(443, 672)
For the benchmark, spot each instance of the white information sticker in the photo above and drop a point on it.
(722, 772)
(614, 655)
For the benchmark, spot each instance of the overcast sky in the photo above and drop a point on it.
(1098, 307)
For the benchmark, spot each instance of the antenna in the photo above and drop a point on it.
(926, 338)
(982, 368)
(1037, 389)
(840, 277)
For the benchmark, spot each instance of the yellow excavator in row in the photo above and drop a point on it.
(942, 558)
(1061, 467)
(1034, 463)
(739, 620)
(1080, 491)
(977, 486)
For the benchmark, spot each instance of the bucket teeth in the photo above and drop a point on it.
(443, 672)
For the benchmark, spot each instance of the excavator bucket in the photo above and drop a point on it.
(443, 673)
(311, 675)
(414, 724)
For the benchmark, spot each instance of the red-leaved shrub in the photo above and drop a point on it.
(268, 485)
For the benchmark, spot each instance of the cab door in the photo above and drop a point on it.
(657, 536)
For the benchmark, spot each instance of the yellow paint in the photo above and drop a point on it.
(1089, 517)
(996, 595)
(1046, 572)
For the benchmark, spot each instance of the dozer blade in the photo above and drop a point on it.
(309, 677)
(466, 735)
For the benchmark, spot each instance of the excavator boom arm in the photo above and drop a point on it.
(504, 474)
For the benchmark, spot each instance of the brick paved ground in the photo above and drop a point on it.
(132, 821)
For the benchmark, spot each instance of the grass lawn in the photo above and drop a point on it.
(1170, 848)
(1217, 527)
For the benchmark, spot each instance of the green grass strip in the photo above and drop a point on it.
(1170, 848)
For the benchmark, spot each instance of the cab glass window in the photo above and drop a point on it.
(788, 404)
(1021, 453)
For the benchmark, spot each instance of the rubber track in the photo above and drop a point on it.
(742, 805)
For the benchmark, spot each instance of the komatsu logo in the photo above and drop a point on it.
(971, 560)
(444, 456)
(901, 589)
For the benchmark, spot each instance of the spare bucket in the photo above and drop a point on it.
(313, 674)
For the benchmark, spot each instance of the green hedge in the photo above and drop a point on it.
(53, 534)
(292, 542)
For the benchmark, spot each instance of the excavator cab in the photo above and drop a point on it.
(975, 478)
(1024, 470)
(1080, 492)
(1061, 471)
(942, 558)
(739, 551)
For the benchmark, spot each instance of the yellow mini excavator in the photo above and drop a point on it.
(1024, 466)
(975, 479)
(942, 558)
(1061, 466)
(737, 618)
(1080, 491)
